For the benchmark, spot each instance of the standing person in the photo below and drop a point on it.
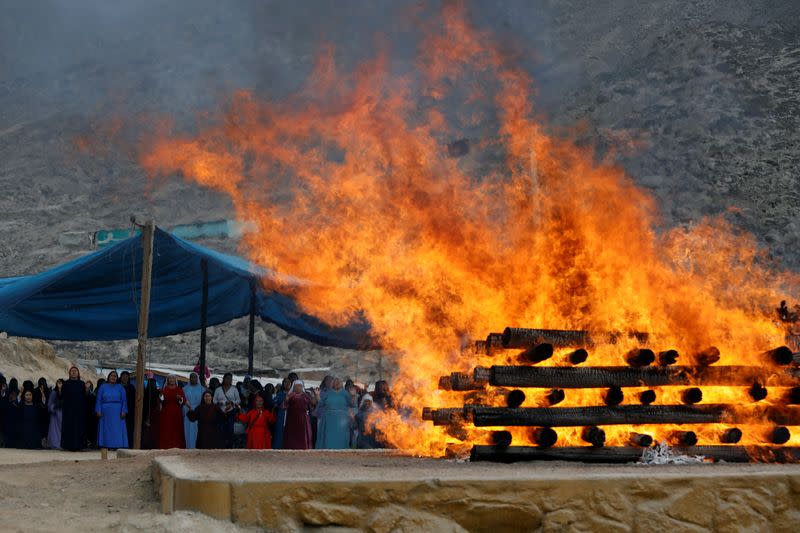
(55, 406)
(319, 412)
(365, 440)
(40, 397)
(73, 412)
(280, 413)
(111, 408)
(130, 397)
(28, 420)
(228, 400)
(91, 415)
(170, 430)
(10, 408)
(336, 420)
(213, 385)
(150, 413)
(194, 394)
(257, 421)
(204, 373)
(381, 396)
(209, 421)
(297, 432)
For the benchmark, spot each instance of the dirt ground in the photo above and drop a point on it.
(58, 491)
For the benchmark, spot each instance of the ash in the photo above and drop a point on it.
(662, 454)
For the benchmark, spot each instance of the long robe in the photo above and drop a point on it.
(28, 432)
(297, 432)
(257, 422)
(55, 408)
(170, 430)
(91, 417)
(209, 426)
(194, 395)
(319, 414)
(334, 430)
(151, 415)
(130, 397)
(73, 415)
(10, 418)
(280, 420)
(111, 403)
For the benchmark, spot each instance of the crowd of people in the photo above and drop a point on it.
(74, 415)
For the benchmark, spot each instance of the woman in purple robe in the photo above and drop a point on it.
(55, 406)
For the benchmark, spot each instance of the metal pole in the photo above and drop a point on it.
(144, 313)
(252, 331)
(203, 321)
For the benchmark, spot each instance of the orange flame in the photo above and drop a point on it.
(350, 187)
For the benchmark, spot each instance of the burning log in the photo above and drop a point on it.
(501, 438)
(554, 396)
(481, 347)
(683, 438)
(779, 435)
(544, 437)
(515, 398)
(731, 436)
(629, 454)
(757, 392)
(460, 381)
(623, 376)
(443, 417)
(780, 356)
(613, 396)
(598, 415)
(793, 397)
(457, 432)
(594, 436)
(692, 396)
(667, 357)
(707, 357)
(562, 338)
(537, 354)
(577, 357)
(647, 397)
(640, 439)
(639, 357)
(494, 341)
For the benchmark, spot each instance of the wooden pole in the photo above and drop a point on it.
(252, 330)
(144, 314)
(203, 321)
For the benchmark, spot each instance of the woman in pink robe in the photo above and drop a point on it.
(297, 432)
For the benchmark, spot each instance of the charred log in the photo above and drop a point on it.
(707, 357)
(780, 356)
(526, 337)
(757, 392)
(683, 438)
(594, 436)
(536, 354)
(779, 435)
(647, 397)
(494, 342)
(598, 415)
(554, 396)
(639, 357)
(629, 454)
(501, 439)
(667, 357)
(577, 357)
(515, 398)
(793, 396)
(731, 436)
(446, 416)
(544, 437)
(613, 396)
(640, 439)
(691, 396)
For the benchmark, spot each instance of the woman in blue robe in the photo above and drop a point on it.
(194, 395)
(280, 414)
(337, 418)
(111, 408)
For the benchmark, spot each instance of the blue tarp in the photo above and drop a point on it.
(96, 297)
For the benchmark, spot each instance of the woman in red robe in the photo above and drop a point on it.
(170, 420)
(257, 421)
(297, 432)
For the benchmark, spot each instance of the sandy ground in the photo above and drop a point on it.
(59, 491)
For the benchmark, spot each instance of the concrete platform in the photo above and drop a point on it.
(381, 491)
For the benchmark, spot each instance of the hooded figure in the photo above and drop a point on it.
(73, 412)
(194, 394)
(297, 432)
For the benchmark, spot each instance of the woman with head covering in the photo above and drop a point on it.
(28, 420)
(91, 415)
(366, 431)
(280, 413)
(194, 393)
(209, 421)
(297, 432)
(73, 412)
(55, 406)
(319, 411)
(228, 400)
(111, 408)
(257, 421)
(130, 397)
(170, 431)
(150, 412)
(9, 406)
(334, 426)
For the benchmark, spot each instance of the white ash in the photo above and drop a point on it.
(663, 454)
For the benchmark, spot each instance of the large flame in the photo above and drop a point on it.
(350, 186)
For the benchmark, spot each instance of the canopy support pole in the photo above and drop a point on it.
(203, 321)
(144, 314)
(252, 330)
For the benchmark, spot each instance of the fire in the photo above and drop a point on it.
(351, 187)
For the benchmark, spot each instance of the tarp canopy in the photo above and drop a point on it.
(96, 297)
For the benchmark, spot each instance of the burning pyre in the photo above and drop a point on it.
(354, 184)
